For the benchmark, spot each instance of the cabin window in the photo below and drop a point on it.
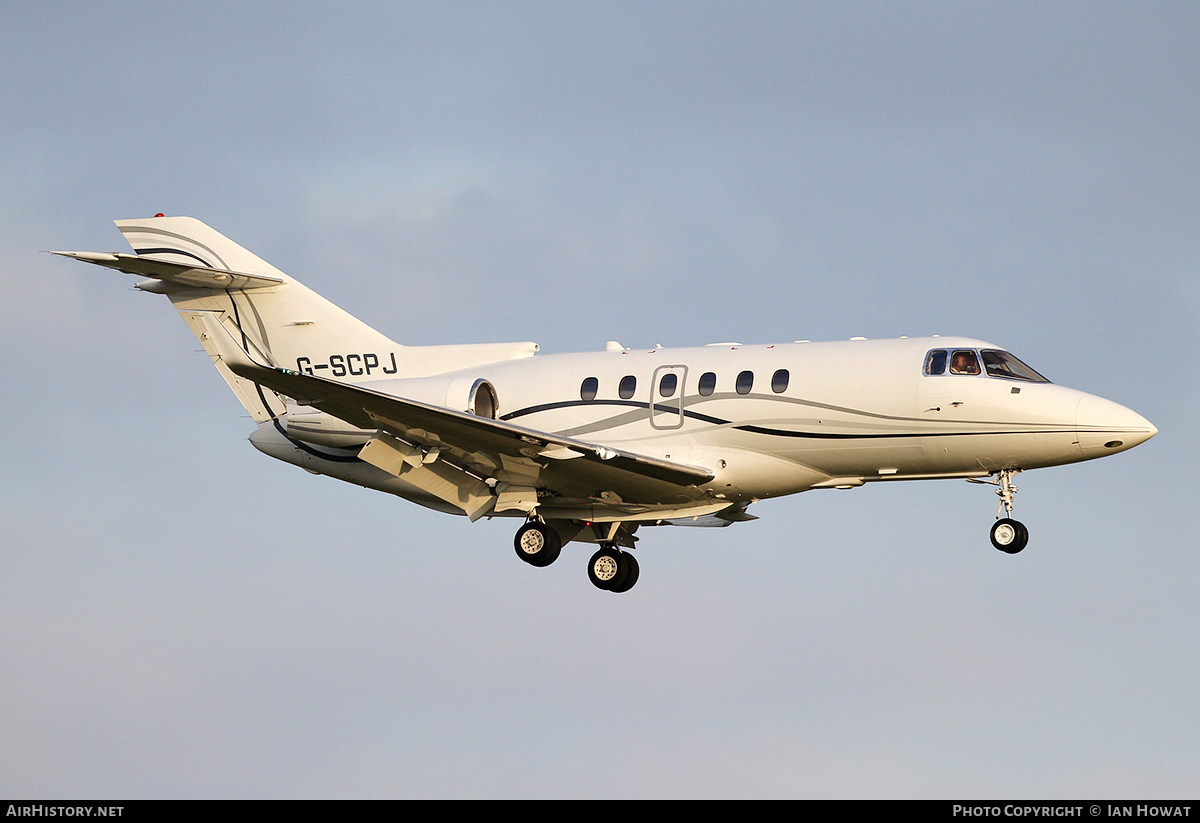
(779, 381)
(589, 388)
(1003, 364)
(708, 383)
(964, 361)
(745, 382)
(935, 362)
(628, 386)
(668, 384)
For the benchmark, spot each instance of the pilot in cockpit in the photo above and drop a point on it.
(964, 362)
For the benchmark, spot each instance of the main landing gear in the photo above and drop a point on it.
(613, 570)
(610, 569)
(537, 544)
(1007, 535)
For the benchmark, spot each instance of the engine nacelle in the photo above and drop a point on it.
(473, 395)
(461, 392)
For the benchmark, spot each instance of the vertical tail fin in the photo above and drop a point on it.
(274, 318)
(188, 241)
(282, 323)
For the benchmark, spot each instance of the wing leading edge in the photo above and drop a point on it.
(480, 464)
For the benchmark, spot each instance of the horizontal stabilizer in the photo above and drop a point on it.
(177, 274)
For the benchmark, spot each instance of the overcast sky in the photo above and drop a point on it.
(180, 615)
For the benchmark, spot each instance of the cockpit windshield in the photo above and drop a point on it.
(1002, 364)
(996, 363)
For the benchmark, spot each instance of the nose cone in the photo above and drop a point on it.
(1105, 427)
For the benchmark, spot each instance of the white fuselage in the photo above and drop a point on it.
(850, 412)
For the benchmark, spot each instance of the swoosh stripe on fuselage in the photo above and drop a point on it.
(624, 419)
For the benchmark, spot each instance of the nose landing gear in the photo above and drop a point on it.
(1007, 535)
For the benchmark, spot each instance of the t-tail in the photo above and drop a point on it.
(276, 319)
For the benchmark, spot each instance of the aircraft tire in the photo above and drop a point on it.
(1023, 540)
(606, 569)
(537, 544)
(631, 574)
(1009, 536)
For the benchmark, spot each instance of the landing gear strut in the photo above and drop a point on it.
(1007, 535)
(537, 544)
(613, 570)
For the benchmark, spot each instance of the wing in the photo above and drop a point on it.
(176, 274)
(493, 465)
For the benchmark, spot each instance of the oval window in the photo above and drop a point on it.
(745, 382)
(668, 384)
(628, 386)
(779, 381)
(589, 388)
(708, 383)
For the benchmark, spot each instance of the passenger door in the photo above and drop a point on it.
(666, 397)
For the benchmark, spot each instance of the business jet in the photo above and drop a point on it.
(591, 447)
